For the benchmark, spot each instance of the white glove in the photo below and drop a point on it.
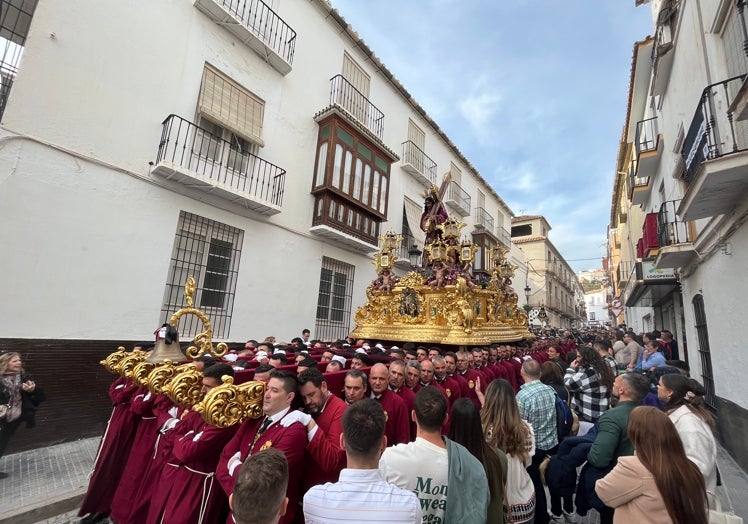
(295, 416)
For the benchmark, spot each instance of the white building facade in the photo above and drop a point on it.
(682, 166)
(262, 151)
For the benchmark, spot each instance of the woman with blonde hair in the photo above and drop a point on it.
(658, 484)
(504, 429)
(19, 398)
(684, 404)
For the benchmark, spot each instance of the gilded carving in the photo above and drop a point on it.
(228, 404)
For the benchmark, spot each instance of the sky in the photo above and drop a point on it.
(533, 93)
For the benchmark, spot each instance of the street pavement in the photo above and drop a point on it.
(46, 485)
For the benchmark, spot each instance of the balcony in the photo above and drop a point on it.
(339, 220)
(662, 57)
(257, 26)
(503, 236)
(648, 244)
(418, 164)
(649, 148)
(483, 220)
(714, 153)
(639, 188)
(365, 114)
(623, 272)
(674, 237)
(200, 160)
(458, 199)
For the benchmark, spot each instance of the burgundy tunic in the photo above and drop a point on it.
(471, 376)
(164, 409)
(291, 441)
(187, 490)
(325, 458)
(397, 428)
(114, 449)
(409, 397)
(139, 458)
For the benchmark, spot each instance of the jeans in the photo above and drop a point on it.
(541, 504)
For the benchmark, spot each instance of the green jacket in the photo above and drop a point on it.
(612, 439)
(467, 494)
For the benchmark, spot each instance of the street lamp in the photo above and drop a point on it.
(414, 255)
(527, 298)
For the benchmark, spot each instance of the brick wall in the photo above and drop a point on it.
(76, 386)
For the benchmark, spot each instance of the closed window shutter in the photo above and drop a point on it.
(231, 106)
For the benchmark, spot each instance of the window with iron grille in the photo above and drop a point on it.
(334, 299)
(15, 20)
(702, 333)
(208, 251)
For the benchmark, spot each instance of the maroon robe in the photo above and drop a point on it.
(187, 490)
(114, 449)
(464, 387)
(397, 428)
(325, 458)
(472, 376)
(510, 374)
(139, 458)
(164, 409)
(291, 441)
(451, 388)
(409, 397)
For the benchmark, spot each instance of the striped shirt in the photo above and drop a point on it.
(361, 495)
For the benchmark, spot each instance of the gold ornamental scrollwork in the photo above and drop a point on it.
(227, 404)
(126, 365)
(139, 374)
(203, 341)
(160, 377)
(185, 387)
(111, 361)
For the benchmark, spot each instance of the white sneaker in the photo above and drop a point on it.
(556, 518)
(571, 517)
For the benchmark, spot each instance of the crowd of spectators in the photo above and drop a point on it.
(501, 407)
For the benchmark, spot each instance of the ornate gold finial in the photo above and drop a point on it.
(185, 387)
(203, 341)
(189, 291)
(228, 404)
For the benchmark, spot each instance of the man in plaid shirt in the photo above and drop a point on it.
(537, 405)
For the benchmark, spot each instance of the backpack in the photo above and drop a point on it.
(564, 418)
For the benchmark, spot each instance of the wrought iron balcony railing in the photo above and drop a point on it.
(713, 132)
(504, 236)
(259, 18)
(344, 95)
(483, 219)
(190, 147)
(413, 155)
(458, 197)
(670, 230)
(646, 136)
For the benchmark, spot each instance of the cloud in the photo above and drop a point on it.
(479, 109)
